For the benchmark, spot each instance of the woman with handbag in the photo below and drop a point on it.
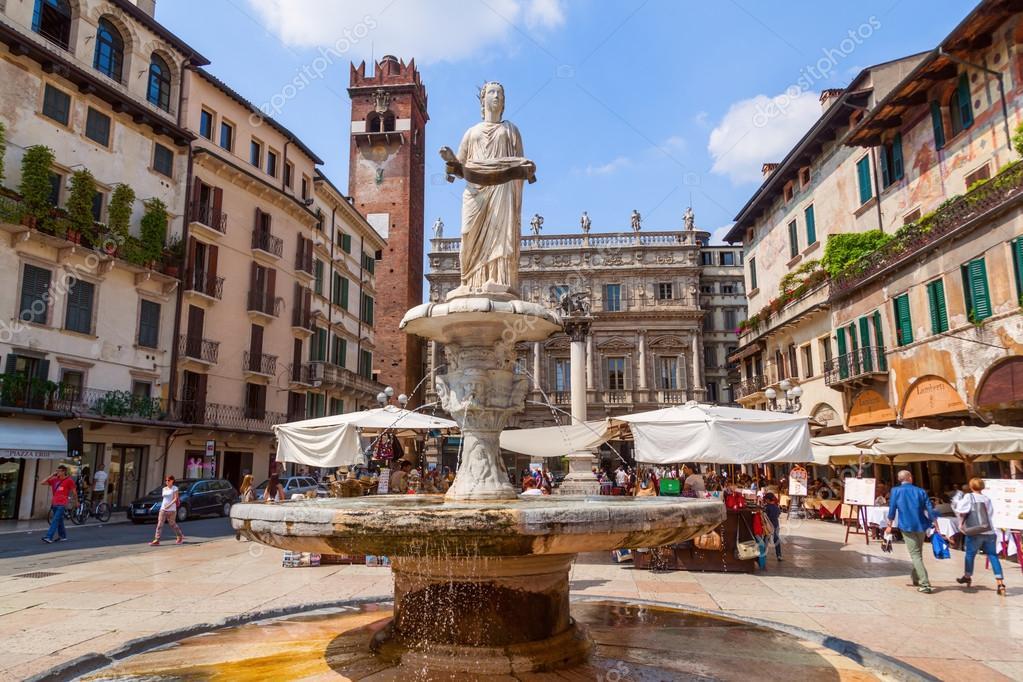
(975, 510)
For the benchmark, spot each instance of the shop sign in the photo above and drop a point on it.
(870, 407)
(797, 482)
(211, 448)
(929, 396)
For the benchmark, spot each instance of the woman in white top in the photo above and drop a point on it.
(168, 511)
(529, 487)
(970, 507)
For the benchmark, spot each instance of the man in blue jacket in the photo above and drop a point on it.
(916, 515)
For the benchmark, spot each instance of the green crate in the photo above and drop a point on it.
(671, 486)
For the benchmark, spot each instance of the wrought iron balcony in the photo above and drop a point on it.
(259, 363)
(302, 373)
(198, 348)
(262, 302)
(228, 416)
(112, 404)
(860, 365)
(304, 263)
(302, 319)
(204, 214)
(268, 243)
(750, 386)
(205, 284)
(22, 392)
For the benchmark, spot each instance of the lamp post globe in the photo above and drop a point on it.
(770, 394)
(389, 392)
(784, 385)
(797, 392)
(382, 398)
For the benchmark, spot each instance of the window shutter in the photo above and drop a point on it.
(882, 363)
(978, 289)
(261, 402)
(346, 243)
(843, 361)
(12, 363)
(863, 174)
(196, 193)
(271, 290)
(78, 316)
(965, 101)
(258, 227)
(903, 321)
(811, 226)
(149, 324)
(211, 268)
(34, 285)
(344, 293)
(43, 370)
(897, 166)
(868, 364)
(939, 312)
(190, 259)
(256, 345)
(218, 207)
(1017, 261)
(885, 161)
(938, 125)
(793, 240)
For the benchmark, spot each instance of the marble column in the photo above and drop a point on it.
(641, 370)
(683, 376)
(580, 479)
(697, 350)
(589, 362)
(536, 366)
(577, 360)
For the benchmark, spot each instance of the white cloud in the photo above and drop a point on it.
(428, 31)
(701, 119)
(609, 167)
(760, 130)
(718, 235)
(675, 143)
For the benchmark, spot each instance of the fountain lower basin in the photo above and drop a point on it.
(479, 587)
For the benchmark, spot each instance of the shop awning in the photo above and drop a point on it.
(31, 439)
(557, 441)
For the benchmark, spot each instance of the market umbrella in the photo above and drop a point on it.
(696, 432)
(558, 441)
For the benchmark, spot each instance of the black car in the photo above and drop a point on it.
(198, 496)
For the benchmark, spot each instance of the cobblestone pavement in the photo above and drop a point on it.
(102, 596)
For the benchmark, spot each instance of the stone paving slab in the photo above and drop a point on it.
(850, 591)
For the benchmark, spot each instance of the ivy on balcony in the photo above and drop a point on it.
(792, 287)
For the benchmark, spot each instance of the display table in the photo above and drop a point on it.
(685, 556)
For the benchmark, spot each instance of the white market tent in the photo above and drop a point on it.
(904, 446)
(334, 441)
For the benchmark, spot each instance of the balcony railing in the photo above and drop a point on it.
(262, 302)
(259, 363)
(857, 365)
(750, 386)
(304, 263)
(961, 213)
(671, 396)
(302, 319)
(205, 214)
(198, 348)
(264, 241)
(302, 373)
(602, 240)
(23, 392)
(617, 397)
(342, 378)
(229, 416)
(560, 397)
(206, 284)
(117, 404)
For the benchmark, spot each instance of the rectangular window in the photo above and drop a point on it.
(56, 183)
(712, 391)
(56, 104)
(337, 406)
(727, 288)
(753, 273)
(727, 258)
(616, 374)
(710, 357)
(97, 206)
(72, 383)
(369, 264)
(35, 296)
(256, 153)
(936, 303)
(562, 375)
(793, 240)
(149, 324)
(289, 171)
(982, 173)
(975, 290)
(665, 291)
(271, 165)
(667, 373)
(807, 361)
(97, 127)
(612, 298)
(226, 135)
(339, 351)
(78, 316)
(811, 225)
(1017, 265)
(793, 361)
(366, 364)
(903, 321)
(318, 346)
(163, 160)
(305, 187)
(863, 179)
(730, 320)
(206, 124)
(366, 309)
(255, 401)
(315, 405)
(346, 242)
(706, 258)
(891, 161)
(318, 274)
(339, 291)
(938, 125)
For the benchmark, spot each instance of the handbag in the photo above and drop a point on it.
(940, 547)
(746, 549)
(977, 521)
(710, 542)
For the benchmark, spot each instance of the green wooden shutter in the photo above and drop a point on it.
(344, 293)
(811, 225)
(979, 298)
(903, 321)
(78, 316)
(753, 274)
(863, 175)
(885, 162)
(938, 125)
(1017, 261)
(793, 240)
(843, 361)
(868, 364)
(936, 302)
(965, 101)
(882, 362)
(897, 166)
(346, 243)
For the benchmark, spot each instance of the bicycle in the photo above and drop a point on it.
(98, 510)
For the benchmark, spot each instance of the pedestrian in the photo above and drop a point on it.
(693, 480)
(773, 511)
(274, 490)
(916, 515)
(247, 490)
(169, 512)
(976, 511)
(99, 484)
(63, 488)
(399, 481)
(529, 487)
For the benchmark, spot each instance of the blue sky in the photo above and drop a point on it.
(622, 105)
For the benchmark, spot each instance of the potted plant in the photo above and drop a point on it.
(119, 215)
(79, 207)
(173, 255)
(153, 230)
(35, 183)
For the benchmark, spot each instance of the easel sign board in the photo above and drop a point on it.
(797, 482)
(860, 491)
(1007, 499)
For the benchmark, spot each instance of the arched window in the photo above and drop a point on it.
(388, 122)
(159, 83)
(109, 57)
(52, 20)
(373, 122)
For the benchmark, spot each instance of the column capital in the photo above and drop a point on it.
(577, 328)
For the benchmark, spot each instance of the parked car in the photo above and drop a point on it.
(198, 496)
(292, 485)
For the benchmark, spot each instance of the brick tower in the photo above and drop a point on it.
(386, 182)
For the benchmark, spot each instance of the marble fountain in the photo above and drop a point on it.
(481, 577)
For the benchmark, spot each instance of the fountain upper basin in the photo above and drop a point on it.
(425, 525)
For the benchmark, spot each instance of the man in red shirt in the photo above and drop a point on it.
(63, 489)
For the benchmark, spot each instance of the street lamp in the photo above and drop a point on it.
(792, 397)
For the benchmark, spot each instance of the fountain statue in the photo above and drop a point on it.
(481, 575)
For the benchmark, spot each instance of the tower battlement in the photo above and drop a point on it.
(388, 72)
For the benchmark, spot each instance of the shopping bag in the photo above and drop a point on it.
(762, 546)
(940, 547)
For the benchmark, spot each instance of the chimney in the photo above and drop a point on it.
(147, 6)
(767, 169)
(829, 96)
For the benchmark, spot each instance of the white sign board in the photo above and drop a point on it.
(797, 482)
(861, 491)
(1007, 498)
(384, 482)
(211, 448)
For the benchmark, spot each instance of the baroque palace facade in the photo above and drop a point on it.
(665, 309)
(201, 282)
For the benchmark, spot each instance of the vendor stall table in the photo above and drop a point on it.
(685, 556)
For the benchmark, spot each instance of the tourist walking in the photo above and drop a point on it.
(773, 512)
(247, 490)
(169, 511)
(274, 490)
(916, 515)
(63, 489)
(976, 511)
(99, 484)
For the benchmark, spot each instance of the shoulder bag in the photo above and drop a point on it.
(976, 521)
(746, 549)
